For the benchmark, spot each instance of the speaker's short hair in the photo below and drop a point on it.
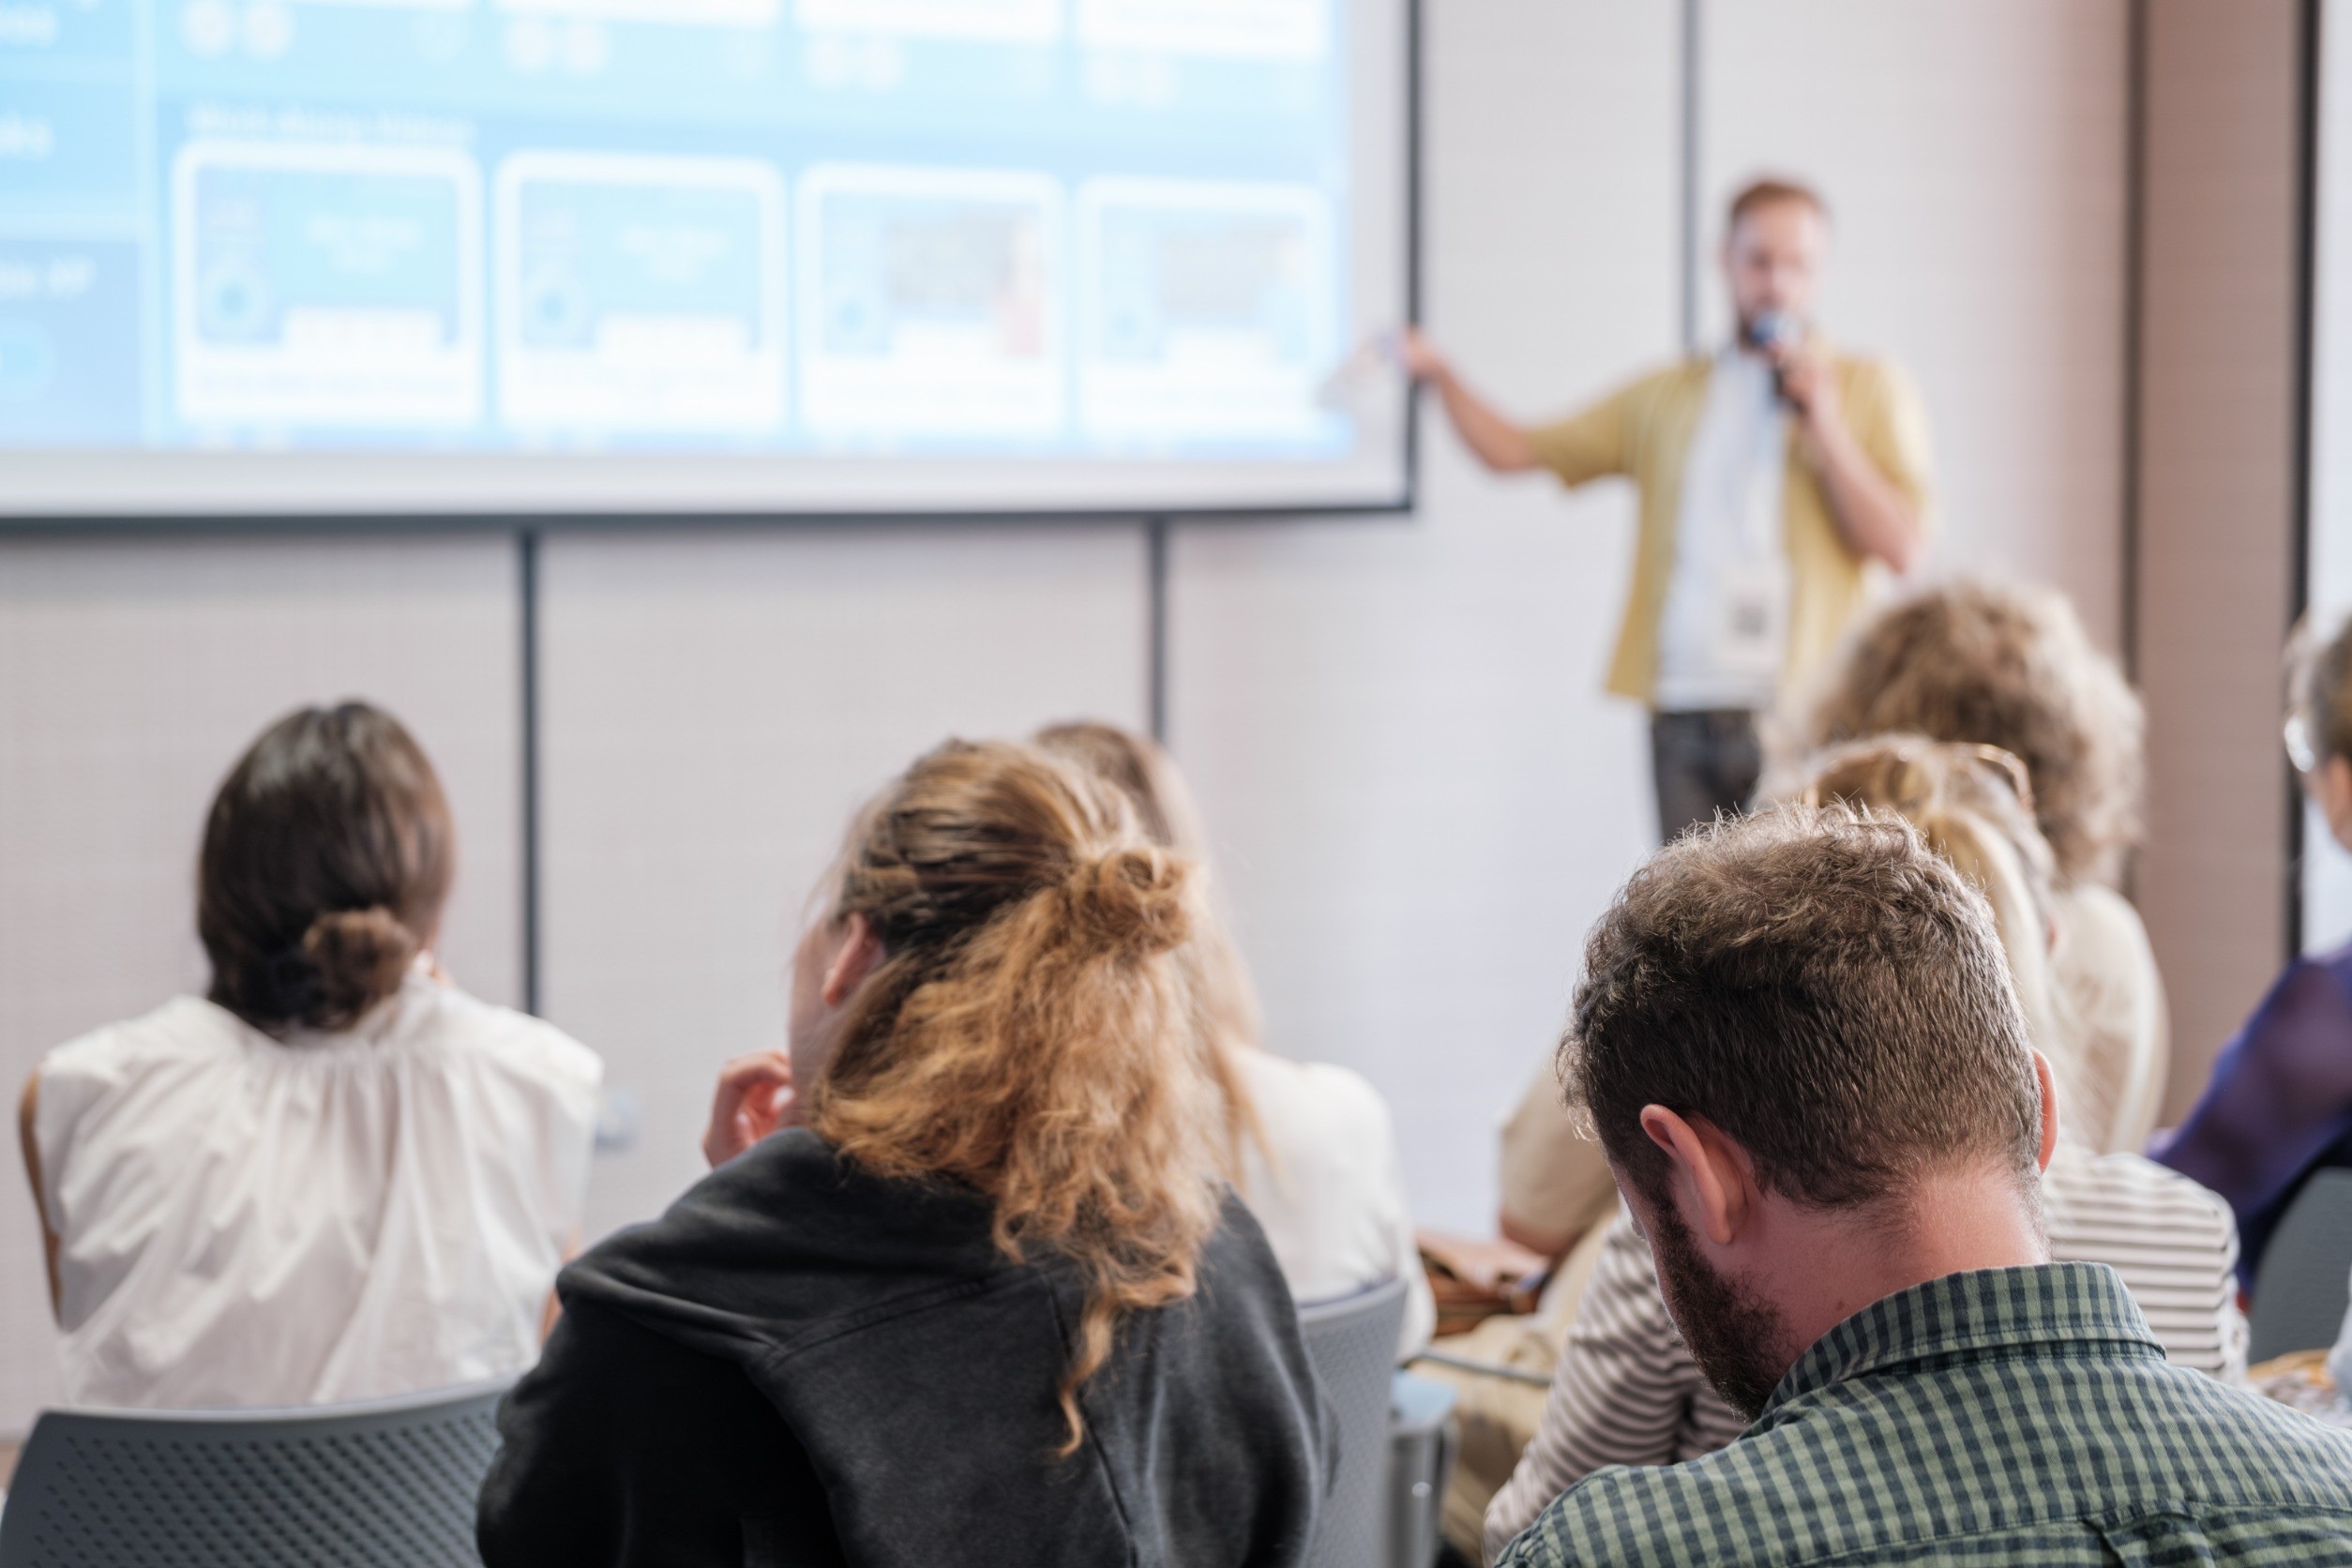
(1771, 191)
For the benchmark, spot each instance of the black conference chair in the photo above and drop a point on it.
(386, 1484)
(2305, 1280)
(1352, 1343)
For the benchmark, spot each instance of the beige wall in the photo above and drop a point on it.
(2217, 495)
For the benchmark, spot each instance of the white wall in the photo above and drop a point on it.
(1974, 156)
(131, 676)
(1420, 797)
(2326, 875)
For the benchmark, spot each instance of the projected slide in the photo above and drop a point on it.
(639, 294)
(1204, 308)
(871, 254)
(930, 303)
(325, 285)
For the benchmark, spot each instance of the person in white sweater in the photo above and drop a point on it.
(336, 1175)
(1319, 1166)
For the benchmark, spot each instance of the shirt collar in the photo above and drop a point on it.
(1985, 1309)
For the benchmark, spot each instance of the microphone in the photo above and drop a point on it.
(1776, 329)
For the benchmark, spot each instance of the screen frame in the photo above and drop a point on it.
(528, 520)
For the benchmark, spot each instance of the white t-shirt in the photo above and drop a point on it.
(247, 1221)
(1332, 1198)
(1725, 632)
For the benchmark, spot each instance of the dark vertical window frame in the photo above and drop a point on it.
(527, 545)
(2308, 25)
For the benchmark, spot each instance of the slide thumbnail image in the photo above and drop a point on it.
(325, 285)
(929, 303)
(1202, 310)
(641, 293)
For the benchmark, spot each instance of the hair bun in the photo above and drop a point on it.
(1136, 900)
(358, 958)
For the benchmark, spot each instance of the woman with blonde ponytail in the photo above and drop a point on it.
(336, 1175)
(968, 1285)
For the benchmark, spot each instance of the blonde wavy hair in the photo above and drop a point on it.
(1974, 805)
(2002, 666)
(1031, 1031)
(1142, 771)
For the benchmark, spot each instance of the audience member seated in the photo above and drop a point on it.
(2279, 1105)
(1627, 1392)
(2012, 666)
(1319, 1153)
(2005, 667)
(335, 1176)
(1799, 1043)
(968, 1284)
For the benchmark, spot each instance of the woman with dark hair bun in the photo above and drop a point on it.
(336, 1176)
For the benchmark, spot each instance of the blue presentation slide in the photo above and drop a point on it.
(1032, 229)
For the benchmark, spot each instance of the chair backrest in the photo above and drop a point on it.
(390, 1482)
(2305, 1278)
(1352, 1343)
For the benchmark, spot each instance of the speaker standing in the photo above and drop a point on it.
(1775, 475)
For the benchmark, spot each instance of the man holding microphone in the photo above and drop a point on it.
(1771, 475)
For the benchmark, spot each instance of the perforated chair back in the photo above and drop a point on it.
(1352, 1343)
(388, 1483)
(2305, 1279)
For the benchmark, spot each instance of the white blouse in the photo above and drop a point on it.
(1327, 1188)
(248, 1221)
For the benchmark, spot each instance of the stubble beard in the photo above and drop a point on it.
(1733, 1332)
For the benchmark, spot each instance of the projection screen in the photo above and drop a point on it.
(654, 257)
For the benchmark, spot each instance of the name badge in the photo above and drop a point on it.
(1752, 618)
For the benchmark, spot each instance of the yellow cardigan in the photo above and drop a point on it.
(1644, 432)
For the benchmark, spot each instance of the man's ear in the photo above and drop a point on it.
(860, 952)
(2049, 1107)
(1706, 1166)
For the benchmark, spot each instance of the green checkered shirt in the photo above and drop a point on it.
(2015, 1416)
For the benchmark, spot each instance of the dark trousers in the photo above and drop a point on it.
(1703, 764)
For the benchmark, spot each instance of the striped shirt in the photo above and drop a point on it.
(2008, 1416)
(1627, 1391)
